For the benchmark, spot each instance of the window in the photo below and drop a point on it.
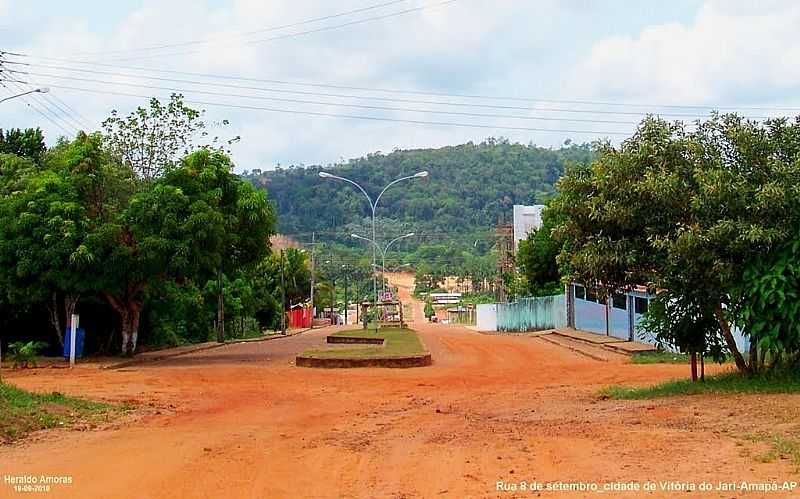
(591, 295)
(640, 305)
(619, 301)
(580, 292)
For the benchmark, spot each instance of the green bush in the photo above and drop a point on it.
(24, 353)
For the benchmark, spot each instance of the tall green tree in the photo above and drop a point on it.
(191, 222)
(45, 216)
(152, 140)
(536, 258)
(28, 143)
(684, 213)
(296, 274)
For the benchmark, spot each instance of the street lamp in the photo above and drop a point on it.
(42, 90)
(383, 252)
(374, 206)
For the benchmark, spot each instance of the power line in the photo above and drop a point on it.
(248, 33)
(353, 116)
(66, 116)
(706, 108)
(340, 104)
(80, 118)
(333, 95)
(303, 33)
(31, 103)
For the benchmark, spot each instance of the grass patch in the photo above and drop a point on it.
(661, 357)
(22, 412)
(780, 447)
(399, 343)
(788, 382)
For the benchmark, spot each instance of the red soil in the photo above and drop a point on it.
(243, 421)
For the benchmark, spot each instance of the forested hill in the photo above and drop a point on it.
(470, 187)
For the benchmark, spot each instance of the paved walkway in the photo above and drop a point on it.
(168, 353)
(606, 341)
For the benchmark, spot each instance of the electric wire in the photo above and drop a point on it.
(333, 95)
(302, 33)
(186, 91)
(355, 116)
(706, 108)
(248, 33)
(33, 104)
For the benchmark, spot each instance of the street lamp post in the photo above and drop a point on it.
(383, 253)
(344, 267)
(373, 206)
(42, 90)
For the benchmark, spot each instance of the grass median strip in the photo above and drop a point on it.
(660, 357)
(22, 412)
(399, 343)
(788, 382)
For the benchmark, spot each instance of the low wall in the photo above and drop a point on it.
(532, 314)
(419, 360)
(355, 340)
(486, 319)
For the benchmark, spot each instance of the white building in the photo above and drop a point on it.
(526, 219)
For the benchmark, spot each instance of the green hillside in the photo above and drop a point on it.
(470, 187)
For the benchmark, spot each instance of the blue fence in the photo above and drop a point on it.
(532, 314)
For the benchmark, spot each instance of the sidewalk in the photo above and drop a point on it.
(168, 353)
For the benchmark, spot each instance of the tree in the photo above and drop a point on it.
(536, 257)
(152, 141)
(684, 213)
(44, 220)
(186, 224)
(28, 143)
(770, 305)
(429, 312)
(296, 274)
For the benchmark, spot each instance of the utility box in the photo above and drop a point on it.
(79, 337)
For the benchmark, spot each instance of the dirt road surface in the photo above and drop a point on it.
(243, 421)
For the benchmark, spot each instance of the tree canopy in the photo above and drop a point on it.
(684, 213)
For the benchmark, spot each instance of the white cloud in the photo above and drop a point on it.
(732, 52)
(549, 48)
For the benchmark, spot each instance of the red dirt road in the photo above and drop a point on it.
(243, 421)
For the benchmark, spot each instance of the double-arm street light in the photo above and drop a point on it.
(42, 90)
(373, 206)
(383, 252)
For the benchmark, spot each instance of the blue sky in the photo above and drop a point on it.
(730, 53)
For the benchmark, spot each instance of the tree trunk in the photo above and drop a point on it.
(702, 366)
(55, 320)
(730, 341)
(220, 309)
(70, 302)
(753, 355)
(129, 312)
(126, 333)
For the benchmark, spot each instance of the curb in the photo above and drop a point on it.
(422, 359)
(166, 355)
(406, 361)
(573, 349)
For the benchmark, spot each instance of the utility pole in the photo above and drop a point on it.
(333, 300)
(345, 297)
(313, 244)
(220, 308)
(283, 298)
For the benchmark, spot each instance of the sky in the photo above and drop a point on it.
(290, 76)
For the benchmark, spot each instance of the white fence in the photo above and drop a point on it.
(487, 317)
